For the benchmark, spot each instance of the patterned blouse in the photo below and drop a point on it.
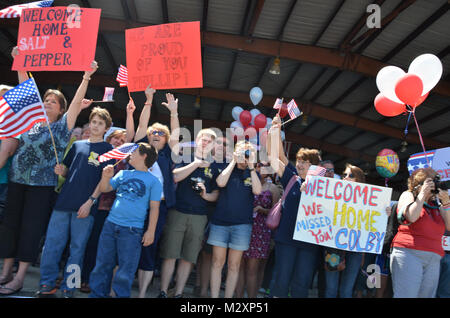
(34, 161)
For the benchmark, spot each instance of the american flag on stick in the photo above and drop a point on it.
(16, 10)
(278, 103)
(122, 76)
(119, 153)
(20, 108)
(293, 110)
(316, 171)
(109, 92)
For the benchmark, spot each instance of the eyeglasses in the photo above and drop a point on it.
(330, 170)
(348, 175)
(158, 133)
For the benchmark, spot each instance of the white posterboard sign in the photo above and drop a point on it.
(342, 214)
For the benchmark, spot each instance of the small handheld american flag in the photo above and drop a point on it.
(109, 92)
(293, 110)
(122, 76)
(119, 153)
(278, 103)
(16, 10)
(316, 171)
(20, 108)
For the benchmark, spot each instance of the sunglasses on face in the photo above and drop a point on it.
(158, 133)
(349, 175)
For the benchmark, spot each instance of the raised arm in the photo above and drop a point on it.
(76, 106)
(130, 120)
(278, 160)
(107, 174)
(224, 176)
(179, 174)
(172, 106)
(21, 74)
(144, 118)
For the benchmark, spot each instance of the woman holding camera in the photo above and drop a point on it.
(424, 214)
(231, 222)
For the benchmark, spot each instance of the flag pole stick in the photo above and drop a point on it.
(48, 124)
(291, 119)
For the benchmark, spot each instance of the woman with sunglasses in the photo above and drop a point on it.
(295, 261)
(231, 222)
(166, 142)
(342, 282)
(254, 260)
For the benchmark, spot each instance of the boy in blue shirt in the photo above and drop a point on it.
(123, 232)
(70, 218)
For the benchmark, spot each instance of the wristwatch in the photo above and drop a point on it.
(94, 200)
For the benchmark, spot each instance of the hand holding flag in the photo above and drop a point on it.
(293, 111)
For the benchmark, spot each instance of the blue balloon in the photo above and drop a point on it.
(256, 94)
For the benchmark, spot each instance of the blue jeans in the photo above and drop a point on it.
(294, 269)
(444, 278)
(347, 277)
(62, 225)
(117, 244)
(236, 237)
(91, 248)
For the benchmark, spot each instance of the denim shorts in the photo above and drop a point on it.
(236, 237)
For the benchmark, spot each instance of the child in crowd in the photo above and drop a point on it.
(71, 215)
(123, 231)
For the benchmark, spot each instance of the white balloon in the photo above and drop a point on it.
(235, 112)
(386, 79)
(429, 68)
(283, 136)
(256, 95)
(254, 140)
(269, 123)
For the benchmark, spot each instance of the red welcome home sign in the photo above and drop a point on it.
(57, 39)
(165, 56)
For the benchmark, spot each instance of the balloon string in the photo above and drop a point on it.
(420, 137)
(407, 123)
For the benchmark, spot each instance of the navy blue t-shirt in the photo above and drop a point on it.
(166, 165)
(285, 230)
(84, 173)
(235, 204)
(187, 200)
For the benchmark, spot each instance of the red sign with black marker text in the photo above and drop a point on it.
(57, 39)
(167, 56)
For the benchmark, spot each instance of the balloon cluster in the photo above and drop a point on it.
(251, 124)
(398, 89)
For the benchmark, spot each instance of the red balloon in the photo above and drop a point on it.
(245, 118)
(420, 100)
(387, 107)
(260, 121)
(283, 110)
(409, 89)
(250, 132)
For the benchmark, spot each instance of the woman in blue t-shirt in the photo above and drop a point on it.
(231, 222)
(32, 181)
(295, 261)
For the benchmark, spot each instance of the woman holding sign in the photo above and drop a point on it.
(343, 281)
(424, 215)
(295, 261)
(32, 181)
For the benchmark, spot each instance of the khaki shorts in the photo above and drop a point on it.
(182, 236)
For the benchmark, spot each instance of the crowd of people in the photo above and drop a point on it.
(121, 220)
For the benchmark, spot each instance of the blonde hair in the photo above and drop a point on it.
(160, 127)
(116, 133)
(206, 131)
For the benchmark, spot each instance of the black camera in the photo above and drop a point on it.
(195, 186)
(438, 184)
